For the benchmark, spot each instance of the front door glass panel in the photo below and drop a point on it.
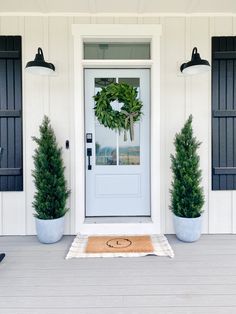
(110, 145)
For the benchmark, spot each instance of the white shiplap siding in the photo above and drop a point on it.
(179, 98)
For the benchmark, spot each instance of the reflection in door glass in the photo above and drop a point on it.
(105, 145)
(110, 143)
(133, 81)
(108, 50)
(129, 152)
(102, 82)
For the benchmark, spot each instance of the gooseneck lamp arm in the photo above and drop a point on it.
(194, 52)
(40, 55)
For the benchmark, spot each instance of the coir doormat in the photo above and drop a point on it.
(119, 246)
(123, 244)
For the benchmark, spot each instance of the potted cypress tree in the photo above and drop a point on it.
(51, 187)
(187, 196)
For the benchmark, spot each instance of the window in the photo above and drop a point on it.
(117, 51)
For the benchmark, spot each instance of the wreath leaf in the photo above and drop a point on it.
(114, 119)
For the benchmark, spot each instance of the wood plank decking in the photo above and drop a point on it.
(36, 279)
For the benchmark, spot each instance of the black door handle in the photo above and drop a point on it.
(89, 154)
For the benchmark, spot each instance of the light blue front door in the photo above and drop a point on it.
(118, 178)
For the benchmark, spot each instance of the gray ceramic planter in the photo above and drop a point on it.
(188, 229)
(51, 230)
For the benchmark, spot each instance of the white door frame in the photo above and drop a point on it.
(115, 32)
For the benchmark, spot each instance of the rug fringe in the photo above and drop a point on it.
(160, 244)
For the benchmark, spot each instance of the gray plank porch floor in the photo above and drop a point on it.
(36, 279)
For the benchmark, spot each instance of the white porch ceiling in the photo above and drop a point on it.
(113, 7)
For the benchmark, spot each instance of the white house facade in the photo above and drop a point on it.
(172, 97)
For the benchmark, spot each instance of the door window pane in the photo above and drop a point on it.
(129, 151)
(111, 147)
(105, 146)
(102, 82)
(106, 142)
(117, 51)
(133, 81)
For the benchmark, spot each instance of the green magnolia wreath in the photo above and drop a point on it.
(129, 113)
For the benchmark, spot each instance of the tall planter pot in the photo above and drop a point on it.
(188, 229)
(50, 230)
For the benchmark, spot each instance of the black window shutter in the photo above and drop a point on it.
(11, 161)
(224, 113)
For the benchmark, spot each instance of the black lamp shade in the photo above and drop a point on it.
(39, 66)
(196, 65)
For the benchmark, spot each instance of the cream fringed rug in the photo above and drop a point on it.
(119, 246)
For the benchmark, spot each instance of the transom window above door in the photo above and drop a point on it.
(117, 51)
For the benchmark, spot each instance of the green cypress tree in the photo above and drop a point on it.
(51, 187)
(187, 196)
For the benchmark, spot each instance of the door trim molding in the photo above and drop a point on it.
(113, 32)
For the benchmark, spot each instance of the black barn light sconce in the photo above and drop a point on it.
(39, 66)
(196, 65)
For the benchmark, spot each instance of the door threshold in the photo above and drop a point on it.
(118, 225)
(117, 220)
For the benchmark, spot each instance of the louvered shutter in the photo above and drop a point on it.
(11, 161)
(224, 113)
